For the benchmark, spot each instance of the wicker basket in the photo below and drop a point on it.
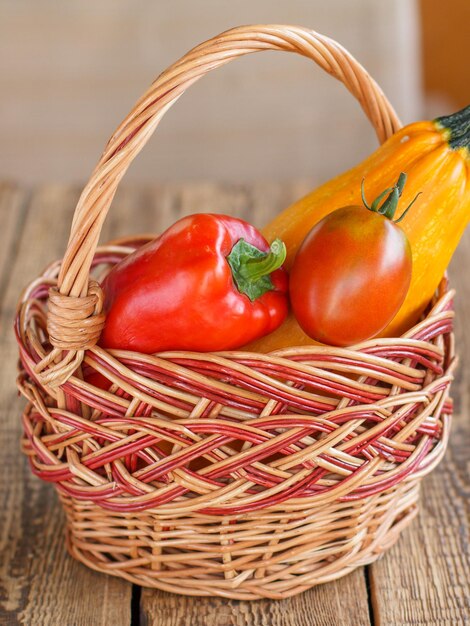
(234, 474)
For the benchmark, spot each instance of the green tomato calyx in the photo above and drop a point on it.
(390, 204)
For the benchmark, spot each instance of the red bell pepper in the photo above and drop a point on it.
(210, 282)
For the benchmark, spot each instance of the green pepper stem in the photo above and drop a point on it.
(254, 269)
(251, 267)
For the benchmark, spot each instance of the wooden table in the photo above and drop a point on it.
(424, 579)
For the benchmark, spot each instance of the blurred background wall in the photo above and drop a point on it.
(70, 71)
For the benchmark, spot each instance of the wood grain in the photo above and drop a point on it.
(39, 582)
(340, 602)
(13, 204)
(425, 578)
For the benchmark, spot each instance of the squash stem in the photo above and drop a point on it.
(457, 127)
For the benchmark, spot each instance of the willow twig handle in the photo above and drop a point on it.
(133, 133)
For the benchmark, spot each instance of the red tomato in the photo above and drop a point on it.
(350, 276)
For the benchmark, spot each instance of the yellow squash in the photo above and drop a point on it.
(435, 156)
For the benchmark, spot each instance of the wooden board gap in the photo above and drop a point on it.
(135, 605)
(371, 601)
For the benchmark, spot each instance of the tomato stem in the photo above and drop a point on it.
(408, 208)
(390, 204)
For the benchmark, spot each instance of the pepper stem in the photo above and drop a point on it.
(256, 268)
(251, 267)
(390, 204)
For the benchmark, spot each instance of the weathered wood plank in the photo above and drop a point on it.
(425, 578)
(341, 602)
(344, 601)
(13, 203)
(39, 582)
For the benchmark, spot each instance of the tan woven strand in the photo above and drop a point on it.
(75, 323)
(136, 129)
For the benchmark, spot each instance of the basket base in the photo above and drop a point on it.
(262, 555)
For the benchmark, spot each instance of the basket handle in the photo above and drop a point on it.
(75, 317)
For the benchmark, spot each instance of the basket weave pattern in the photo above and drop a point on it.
(236, 474)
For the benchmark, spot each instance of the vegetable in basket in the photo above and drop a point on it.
(436, 157)
(352, 271)
(209, 282)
